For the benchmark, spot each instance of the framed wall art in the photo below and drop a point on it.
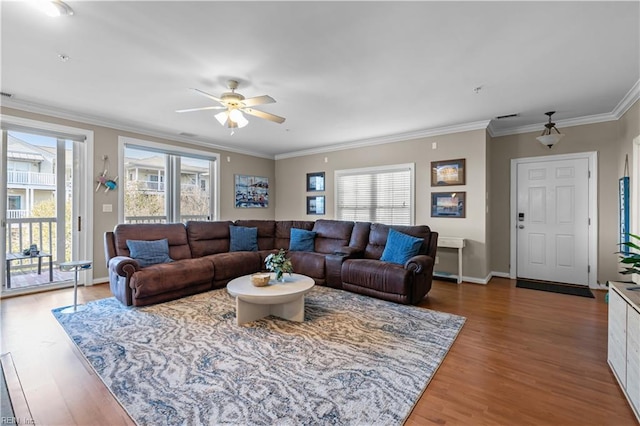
(315, 181)
(251, 191)
(315, 204)
(449, 172)
(448, 204)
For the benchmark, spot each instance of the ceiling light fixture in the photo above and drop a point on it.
(547, 138)
(53, 8)
(232, 119)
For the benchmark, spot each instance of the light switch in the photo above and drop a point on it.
(107, 208)
(434, 145)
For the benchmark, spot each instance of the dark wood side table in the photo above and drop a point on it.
(19, 256)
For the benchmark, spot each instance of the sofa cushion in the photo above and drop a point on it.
(169, 277)
(243, 238)
(207, 237)
(266, 231)
(378, 238)
(302, 240)
(332, 235)
(400, 247)
(149, 253)
(234, 265)
(176, 233)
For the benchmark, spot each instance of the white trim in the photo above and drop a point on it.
(474, 280)
(500, 274)
(211, 155)
(401, 137)
(592, 158)
(85, 246)
(410, 166)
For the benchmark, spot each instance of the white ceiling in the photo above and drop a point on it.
(341, 72)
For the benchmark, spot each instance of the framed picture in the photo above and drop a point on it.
(450, 172)
(315, 181)
(251, 191)
(315, 204)
(448, 204)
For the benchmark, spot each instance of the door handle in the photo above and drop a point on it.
(521, 226)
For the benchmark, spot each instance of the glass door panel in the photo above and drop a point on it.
(195, 185)
(145, 195)
(39, 209)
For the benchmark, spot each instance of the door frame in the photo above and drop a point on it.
(592, 158)
(84, 243)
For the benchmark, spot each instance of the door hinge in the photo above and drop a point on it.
(589, 269)
(79, 223)
(589, 221)
(589, 174)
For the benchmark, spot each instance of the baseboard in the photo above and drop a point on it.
(598, 286)
(475, 280)
(500, 274)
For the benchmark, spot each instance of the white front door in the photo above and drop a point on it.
(553, 220)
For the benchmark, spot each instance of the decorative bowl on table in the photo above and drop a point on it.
(260, 279)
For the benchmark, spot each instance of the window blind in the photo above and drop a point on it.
(382, 195)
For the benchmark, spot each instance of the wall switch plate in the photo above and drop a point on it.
(437, 259)
(107, 208)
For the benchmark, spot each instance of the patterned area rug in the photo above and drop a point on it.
(355, 359)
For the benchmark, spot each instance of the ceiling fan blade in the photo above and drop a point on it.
(258, 100)
(208, 95)
(265, 115)
(200, 109)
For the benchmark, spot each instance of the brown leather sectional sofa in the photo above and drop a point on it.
(346, 256)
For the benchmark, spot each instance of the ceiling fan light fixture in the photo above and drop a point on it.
(221, 117)
(53, 8)
(547, 138)
(239, 118)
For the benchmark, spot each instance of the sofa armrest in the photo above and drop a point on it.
(333, 268)
(419, 264)
(349, 252)
(123, 266)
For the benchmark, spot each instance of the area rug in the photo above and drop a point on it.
(574, 290)
(354, 360)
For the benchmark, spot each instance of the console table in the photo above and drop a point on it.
(457, 243)
(19, 256)
(624, 340)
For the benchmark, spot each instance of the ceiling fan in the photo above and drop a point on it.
(234, 105)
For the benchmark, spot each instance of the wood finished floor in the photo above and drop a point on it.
(524, 357)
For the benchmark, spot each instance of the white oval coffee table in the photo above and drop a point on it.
(281, 299)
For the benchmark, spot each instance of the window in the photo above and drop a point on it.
(14, 202)
(160, 184)
(377, 194)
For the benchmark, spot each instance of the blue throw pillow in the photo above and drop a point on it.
(302, 240)
(243, 238)
(400, 247)
(149, 253)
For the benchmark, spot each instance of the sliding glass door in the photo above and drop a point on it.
(41, 206)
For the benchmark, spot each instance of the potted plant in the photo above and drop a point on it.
(279, 263)
(631, 261)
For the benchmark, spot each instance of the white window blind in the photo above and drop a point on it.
(383, 194)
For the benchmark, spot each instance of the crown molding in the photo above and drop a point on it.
(119, 125)
(623, 106)
(401, 137)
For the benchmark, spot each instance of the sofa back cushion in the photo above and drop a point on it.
(266, 231)
(208, 238)
(379, 233)
(283, 231)
(175, 233)
(332, 235)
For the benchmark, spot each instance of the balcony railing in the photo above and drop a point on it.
(162, 219)
(30, 178)
(21, 233)
(149, 185)
(16, 214)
